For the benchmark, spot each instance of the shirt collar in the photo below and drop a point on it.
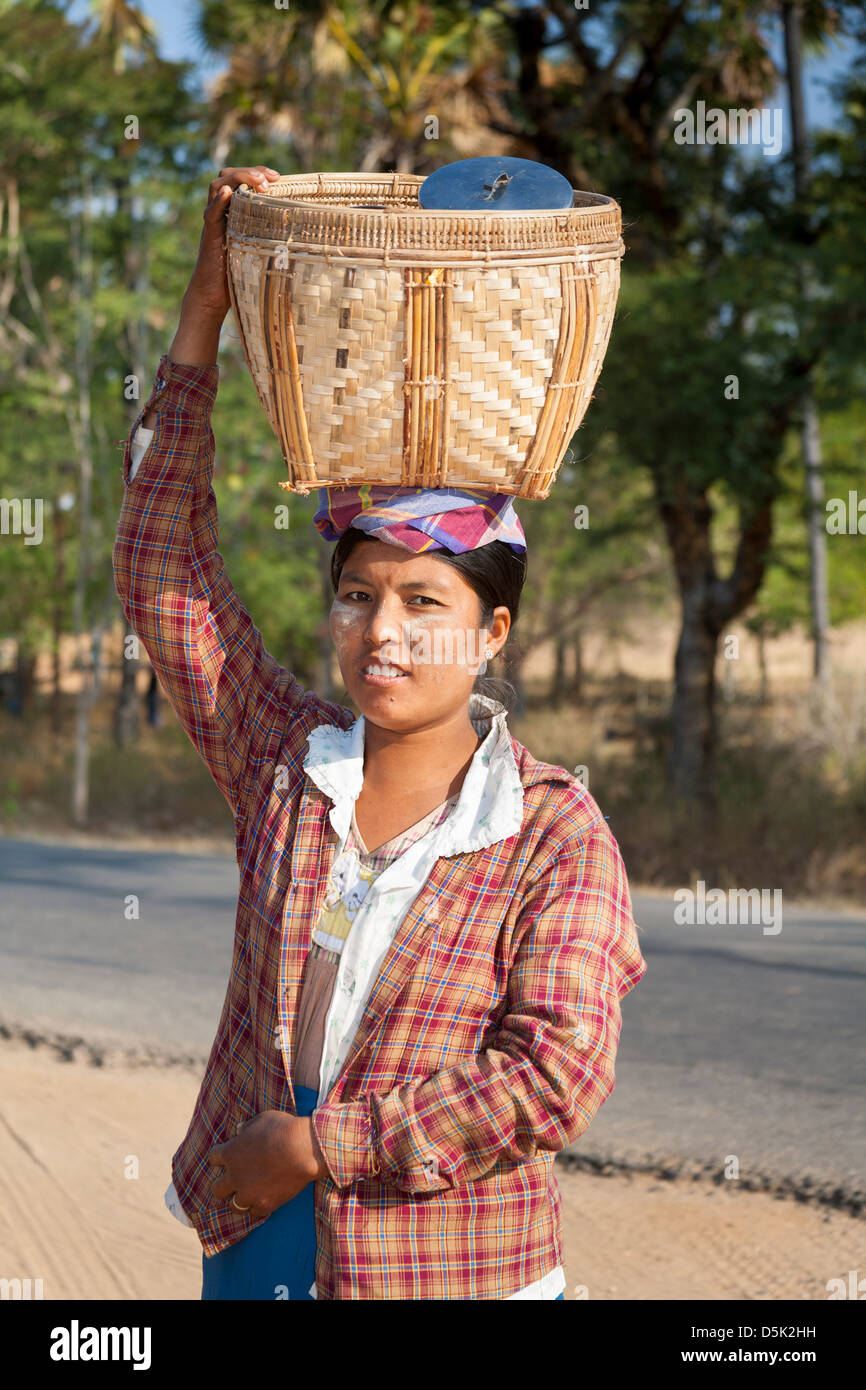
(490, 805)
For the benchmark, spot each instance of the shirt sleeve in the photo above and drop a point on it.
(549, 1067)
(230, 695)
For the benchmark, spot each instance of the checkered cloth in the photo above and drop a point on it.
(421, 518)
(489, 1039)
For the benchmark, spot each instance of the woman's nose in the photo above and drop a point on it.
(383, 624)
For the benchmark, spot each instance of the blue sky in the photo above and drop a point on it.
(175, 20)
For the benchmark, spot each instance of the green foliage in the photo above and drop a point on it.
(274, 569)
(108, 227)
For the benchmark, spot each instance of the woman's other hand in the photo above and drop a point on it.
(271, 1158)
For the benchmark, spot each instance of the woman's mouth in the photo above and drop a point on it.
(382, 673)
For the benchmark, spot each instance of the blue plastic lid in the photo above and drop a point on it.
(496, 183)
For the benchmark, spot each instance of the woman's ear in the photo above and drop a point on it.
(497, 632)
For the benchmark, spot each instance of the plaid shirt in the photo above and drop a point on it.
(489, 1039)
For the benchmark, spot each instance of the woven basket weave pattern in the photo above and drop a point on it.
(420, 349)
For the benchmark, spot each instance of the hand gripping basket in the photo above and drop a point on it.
(395, 344)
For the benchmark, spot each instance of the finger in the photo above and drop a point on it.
(218, 205)
(216, 1155)
(216, 184)
(223, 1187)
(236, 174)
(256, 178)
(249, 174)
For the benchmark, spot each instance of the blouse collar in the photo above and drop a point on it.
(489, 807)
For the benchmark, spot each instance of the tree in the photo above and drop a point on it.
(129, 35)
(810, 426)
(359, 85)
(63, 319)
(698, 219)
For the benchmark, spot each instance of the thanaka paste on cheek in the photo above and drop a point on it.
(346, 623)
(436, 640)
(346, 632)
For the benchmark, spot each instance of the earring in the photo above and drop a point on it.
(488, 654)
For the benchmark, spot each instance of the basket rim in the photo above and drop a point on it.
(591, 203)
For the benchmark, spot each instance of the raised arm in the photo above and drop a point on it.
(231, 696)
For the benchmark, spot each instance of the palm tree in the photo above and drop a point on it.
(356, 85)
(125, 29)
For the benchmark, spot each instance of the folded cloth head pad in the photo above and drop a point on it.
(420, 518)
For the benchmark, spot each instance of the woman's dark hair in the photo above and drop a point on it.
(494, 571)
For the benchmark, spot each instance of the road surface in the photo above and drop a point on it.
(738, 1047)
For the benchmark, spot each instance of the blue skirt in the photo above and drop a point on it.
(278, 1259)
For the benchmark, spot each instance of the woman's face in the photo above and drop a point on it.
(408, 634)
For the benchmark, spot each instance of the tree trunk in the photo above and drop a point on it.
(729, 679)
(56, 691)
(126, 709)
(25, 675)
(577, 687)
(57, 620)
(709, 603)
(693, 745)
(764, 689)
(91, 681)
(81, 756)
(135, 279)
(558, 681)
(810, 433)
(154, 712)
(84, 277)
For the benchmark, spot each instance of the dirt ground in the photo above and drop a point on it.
(84, 1162)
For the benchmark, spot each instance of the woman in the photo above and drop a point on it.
(434, 930)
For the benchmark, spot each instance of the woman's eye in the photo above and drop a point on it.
(424, 600)
(356, 593)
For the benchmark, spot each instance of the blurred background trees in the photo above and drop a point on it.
(738, 343)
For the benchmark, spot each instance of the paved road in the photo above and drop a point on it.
(736, 1042)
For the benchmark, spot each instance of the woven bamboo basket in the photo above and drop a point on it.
(390, 343)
